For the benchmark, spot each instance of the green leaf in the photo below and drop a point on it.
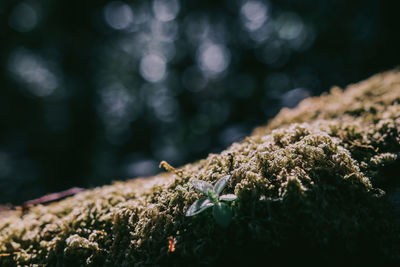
(202, 186)
(199, 206)
(220, 185)
(222, 214)
(228, 197)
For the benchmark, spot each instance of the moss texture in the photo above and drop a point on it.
(318, 184)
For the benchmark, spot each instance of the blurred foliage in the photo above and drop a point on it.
(98, 90)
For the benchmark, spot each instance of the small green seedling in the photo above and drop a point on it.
(221, 211)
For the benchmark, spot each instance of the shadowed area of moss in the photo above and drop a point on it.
(318, 184)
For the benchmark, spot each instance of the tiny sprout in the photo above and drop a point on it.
(221, 211)
(168, 167)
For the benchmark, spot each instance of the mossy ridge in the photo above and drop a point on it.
(301, 186)
(367, 98)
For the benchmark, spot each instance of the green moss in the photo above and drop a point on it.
(310, 187)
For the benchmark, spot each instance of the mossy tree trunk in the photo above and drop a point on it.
(318, 184)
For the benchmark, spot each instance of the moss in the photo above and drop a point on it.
(315, 185)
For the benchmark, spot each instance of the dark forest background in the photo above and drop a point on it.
(95, 91)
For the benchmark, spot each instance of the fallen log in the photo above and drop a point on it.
(319, 184)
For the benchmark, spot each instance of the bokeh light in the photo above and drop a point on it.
(118, 15)
(152, 68)
(166, 10)
(213, 58)
(23, 17)
(33, 72)
(254, 14)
